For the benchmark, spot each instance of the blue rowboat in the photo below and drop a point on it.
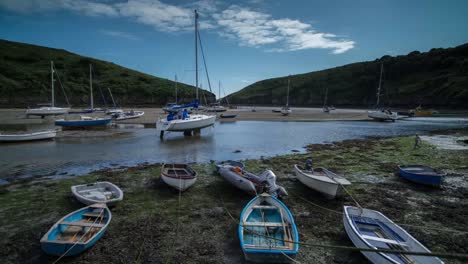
(421, 174)
(267, 231)
(83, 122)
(77, 231)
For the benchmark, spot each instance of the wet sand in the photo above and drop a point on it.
(17, 116)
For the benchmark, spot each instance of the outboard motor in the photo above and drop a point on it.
(272, 188)
(308, 164)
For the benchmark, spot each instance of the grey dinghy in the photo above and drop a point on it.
(98, 192)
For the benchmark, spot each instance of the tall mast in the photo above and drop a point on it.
(112, 97)
(91, 85)
(196, 54)
(287, 96)
(219, 91)
(175, 88)
(380, 84)
(52, 81)
(326, 96)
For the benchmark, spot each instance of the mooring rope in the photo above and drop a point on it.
(378, 250)
(79, 240)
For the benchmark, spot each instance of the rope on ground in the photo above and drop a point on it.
(291, 259)
(79, 240)
(379, 250)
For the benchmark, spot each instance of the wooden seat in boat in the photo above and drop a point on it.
(264, 207)
(273, 224)
(83, 224)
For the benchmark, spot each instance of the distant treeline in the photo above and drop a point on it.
(25, 80)
(438, 78)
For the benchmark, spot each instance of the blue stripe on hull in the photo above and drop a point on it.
(423, 179)
(83, 123)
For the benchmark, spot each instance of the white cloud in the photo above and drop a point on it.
(257, 29)
(248, 27)
(119, 34)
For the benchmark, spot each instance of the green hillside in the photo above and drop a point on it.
(25, 79)
(438, 78)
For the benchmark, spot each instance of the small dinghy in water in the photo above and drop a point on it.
(178, 176)
(98, 192)
(250, 182)
(371, 229)
(77, 231)
(267, 231)
(422, 174)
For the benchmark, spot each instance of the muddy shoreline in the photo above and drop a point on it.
(144, 226)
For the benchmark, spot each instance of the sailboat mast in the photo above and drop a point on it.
(380, 84)
(326, 97)
(52, 81)
(112, 97)
(91, 86)
(287, 96)
(196, 54)
(175, 88)
(219, 91)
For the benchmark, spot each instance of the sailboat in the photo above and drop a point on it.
(48, 110)
(325, 108)
(285, 110)
(114, 110)
(91, 98)
(182, 121)
(217, 107)
(382, 114)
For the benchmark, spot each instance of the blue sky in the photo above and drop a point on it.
(245, 41)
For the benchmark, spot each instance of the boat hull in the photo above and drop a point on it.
(431, 180)
(77, 191)
(234, 163)
(43, 135)
(179, 184)
(382, 116)
(55, 247)
(237, 180)
(321, 184)
(178, 176)
(192, 123)
(125, 116)
(83, 123)
(45, 111)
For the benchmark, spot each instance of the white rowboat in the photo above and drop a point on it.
(321, 180)
(98, 192)
(179, 176)
(41, 135)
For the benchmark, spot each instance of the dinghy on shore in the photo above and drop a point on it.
(77, 231)
(98, 192)
(251, 183)
(179, 176)
(128, 115)
(422, 174)
(233, 163)
(20, 137)
(371, 229)
(321, 180)
(267, 231)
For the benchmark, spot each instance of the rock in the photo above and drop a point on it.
(304, 214)
(295, 150)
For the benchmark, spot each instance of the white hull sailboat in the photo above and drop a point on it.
(48, 110)
(181, 121)
(382, 114)
(286, 110)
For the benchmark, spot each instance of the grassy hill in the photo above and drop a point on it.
(438, 78)
(25, 79)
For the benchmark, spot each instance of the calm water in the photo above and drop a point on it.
(78, 154)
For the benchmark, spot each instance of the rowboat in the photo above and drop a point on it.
(371, 229)
(422, 174)
(178, 176)
(321, 180)
(251, 183)
(84, 121)
(228, 116)
(233, 163)
(19, 137)
(128, 115)
(98, 192)
(77, 231)
(267, 231)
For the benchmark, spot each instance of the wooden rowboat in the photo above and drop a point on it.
(77, 231)
(178, 176)
(98, 192)
(267, 231)
(371, 229)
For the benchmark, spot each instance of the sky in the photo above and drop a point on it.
(244, 41)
